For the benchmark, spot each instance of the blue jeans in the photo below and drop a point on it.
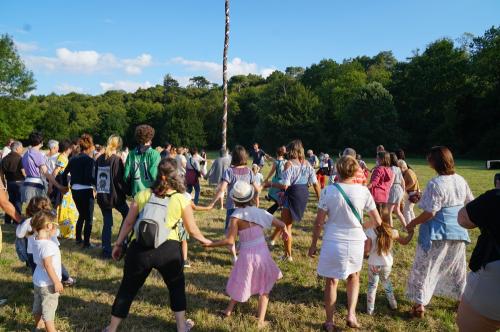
(197, 190)
(14, 190)
(107, 226)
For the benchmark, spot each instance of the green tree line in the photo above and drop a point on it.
(447, 94)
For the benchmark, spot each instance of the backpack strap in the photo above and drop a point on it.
(348, 201)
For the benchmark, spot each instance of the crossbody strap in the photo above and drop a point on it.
(348, 201)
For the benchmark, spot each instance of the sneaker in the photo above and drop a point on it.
(189, 324)
(69, 283)
(234, 259)
(187, 263)
(286, 258)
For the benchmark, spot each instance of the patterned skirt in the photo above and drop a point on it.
(67, 216)
(441, 271)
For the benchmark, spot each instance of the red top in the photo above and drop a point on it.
(381, 183)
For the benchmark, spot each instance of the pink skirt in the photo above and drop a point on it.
(254, 272)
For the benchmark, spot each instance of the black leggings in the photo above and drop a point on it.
(273, 207)
(84, 201)
(139, 262)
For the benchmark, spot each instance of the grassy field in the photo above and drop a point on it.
(296, 301)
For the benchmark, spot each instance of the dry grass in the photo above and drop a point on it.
(296, 300)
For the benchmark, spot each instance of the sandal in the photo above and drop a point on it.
(418, 312)
(189, 325)
(329, 327)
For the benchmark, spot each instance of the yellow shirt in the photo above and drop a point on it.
(176, 205)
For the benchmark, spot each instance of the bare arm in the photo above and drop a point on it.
(7, 206)
(318, 226)
(128, 223)
(271, 173)
(220, 193)
(230, 237)
(464, 220)
(404, 240)
(424, 217)
(47, 264)
(317, 190)
(375, 219)
(190, 225)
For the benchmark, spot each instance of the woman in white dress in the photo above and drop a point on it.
(397, 191)
(340, 209)
(439, 267)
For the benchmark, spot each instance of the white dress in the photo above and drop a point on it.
(343, 238)
(441, 270)
(396, 193)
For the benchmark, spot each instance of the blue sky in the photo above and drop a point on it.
(93, 46)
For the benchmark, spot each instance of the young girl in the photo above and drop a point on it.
(397, 191)
(379, 247)
(23, 231)
(47, 276)
(259, 178)
(254, 272)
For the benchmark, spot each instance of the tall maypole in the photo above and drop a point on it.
(224, 77)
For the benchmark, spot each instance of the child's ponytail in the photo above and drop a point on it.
(384, 234)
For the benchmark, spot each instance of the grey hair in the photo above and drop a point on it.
(402, 164)
(52, 143)
(15, 145)
(349, 152)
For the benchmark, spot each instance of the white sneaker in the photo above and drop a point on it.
(189, 325)
(286, 258)
(234, 259)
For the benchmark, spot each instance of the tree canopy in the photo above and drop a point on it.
(447, 94)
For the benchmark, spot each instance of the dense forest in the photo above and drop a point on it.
(447, 94)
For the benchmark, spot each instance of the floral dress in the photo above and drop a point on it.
(67, 214)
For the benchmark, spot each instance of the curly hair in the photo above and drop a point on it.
(36, 204)
(40, 220)
(168, 178)
(85, 142)
(144, 134)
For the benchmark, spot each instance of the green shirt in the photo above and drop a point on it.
(141, 169)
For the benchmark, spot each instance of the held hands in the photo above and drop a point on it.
(284, 234)
(206, 243)
(267, 184)
(58, 287)
(410, 228)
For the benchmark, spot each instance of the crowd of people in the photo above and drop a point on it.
(354, 221)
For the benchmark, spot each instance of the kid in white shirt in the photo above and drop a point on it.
(379, 247)
(47, 277)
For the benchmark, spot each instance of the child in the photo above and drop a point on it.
(184, 235)
(258, 177)
(381, 180)
(36, 204)
(379, 247)
(254, 272)
(47, 276)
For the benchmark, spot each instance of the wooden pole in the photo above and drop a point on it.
(224, 77)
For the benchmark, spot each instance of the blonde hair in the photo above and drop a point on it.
(296, 150)
(36, 204)
(114, 144)
(384, 234)
(347, 167)
(41, 219)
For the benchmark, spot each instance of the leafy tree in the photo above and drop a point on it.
(199, 82)
(370, 119)
(182, 126)
(15, 79)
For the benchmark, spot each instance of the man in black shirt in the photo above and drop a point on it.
(258, 155)
(12, 168)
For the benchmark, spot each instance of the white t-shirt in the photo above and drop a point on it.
(259, 178)
(342, 224)
(43, 249)
(375, 258)
(51, 163)
(181, 162)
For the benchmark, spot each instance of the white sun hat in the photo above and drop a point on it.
(242, 192)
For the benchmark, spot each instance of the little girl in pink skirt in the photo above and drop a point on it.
(254, 272)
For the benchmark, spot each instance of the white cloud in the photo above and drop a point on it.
(65, 88)
(26, 47)
(128, 86)
(88, 61)
(213, 70)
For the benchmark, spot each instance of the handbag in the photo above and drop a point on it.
(192, 174)
(348, 201)
(414, 196)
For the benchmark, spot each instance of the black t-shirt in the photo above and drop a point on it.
(484, 212)
(258, 157)
(12, 166)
